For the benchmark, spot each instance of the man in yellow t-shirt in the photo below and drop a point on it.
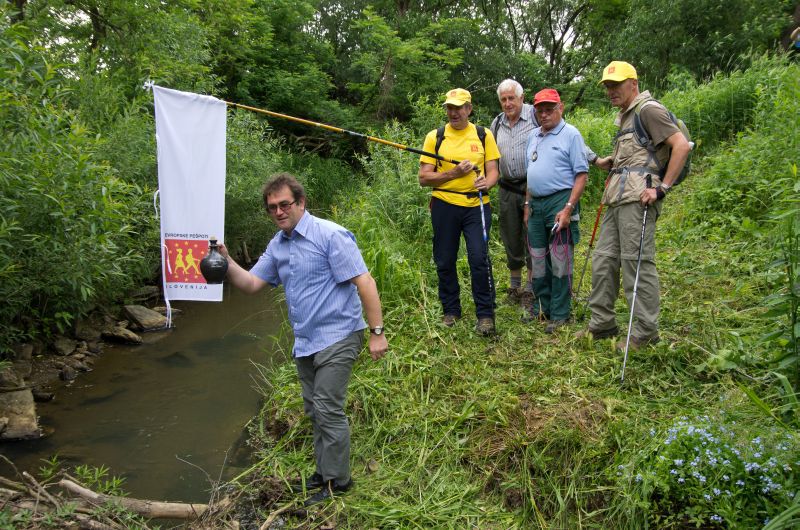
(456, 207)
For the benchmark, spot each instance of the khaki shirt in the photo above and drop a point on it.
(633, 163)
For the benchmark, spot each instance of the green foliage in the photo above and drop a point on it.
(98, 480)
(701, 36)
(388, 68)
(253, 155)
(711, 473)
(65, 215)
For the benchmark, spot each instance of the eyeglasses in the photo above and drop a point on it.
(285, 205)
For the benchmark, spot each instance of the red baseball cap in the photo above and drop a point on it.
(546, 95)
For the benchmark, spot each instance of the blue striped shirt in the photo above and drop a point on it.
(512, 141)
(315, 265)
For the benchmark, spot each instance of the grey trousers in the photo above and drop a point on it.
(513, 231)
(617, 251)
(324, 377)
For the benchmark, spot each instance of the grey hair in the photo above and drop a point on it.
(509, 84)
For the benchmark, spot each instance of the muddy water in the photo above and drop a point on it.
(171, 413)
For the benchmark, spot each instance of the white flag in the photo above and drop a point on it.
(190, 135)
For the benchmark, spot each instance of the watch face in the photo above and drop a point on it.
(377, 330)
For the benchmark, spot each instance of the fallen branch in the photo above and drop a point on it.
(274, 515)
(40, 491)
(146, 508)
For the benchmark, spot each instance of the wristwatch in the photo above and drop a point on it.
(665, 187)
(377, 330)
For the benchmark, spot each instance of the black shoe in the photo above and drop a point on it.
(313, 482)
(327, 492)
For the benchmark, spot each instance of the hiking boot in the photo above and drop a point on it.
(327, 492)
(450, 320)
(637, 343)
(514, 295)
(526, 299)
(312, 482)
(553, 325)
(485, 326)
(598, 335)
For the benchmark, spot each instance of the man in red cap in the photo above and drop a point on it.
(557, 169)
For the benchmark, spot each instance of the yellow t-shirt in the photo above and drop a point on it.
(460, 145)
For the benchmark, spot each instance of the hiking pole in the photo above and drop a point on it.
(589, 250)
(635, 288)
(343, 131)
(486, 244)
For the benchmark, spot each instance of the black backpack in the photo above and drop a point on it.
(440, 138)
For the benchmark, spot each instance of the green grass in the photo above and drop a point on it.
(527, 430)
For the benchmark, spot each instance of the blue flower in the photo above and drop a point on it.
(678, 461)
(740, 482)
(716, 518)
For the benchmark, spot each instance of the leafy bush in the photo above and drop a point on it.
(67, 237)
(707, 472)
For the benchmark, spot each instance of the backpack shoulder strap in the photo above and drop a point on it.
(496, 125)
(481, 130)
(642, 136)
(439, 140)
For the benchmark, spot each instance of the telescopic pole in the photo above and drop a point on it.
(343, 131)
(589, 250)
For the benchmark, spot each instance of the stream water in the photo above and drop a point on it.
(170, 413)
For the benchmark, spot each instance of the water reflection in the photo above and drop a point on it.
(167, 414)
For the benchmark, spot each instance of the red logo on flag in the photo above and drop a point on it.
(184, 257)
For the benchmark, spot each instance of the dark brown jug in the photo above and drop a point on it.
(213, 266)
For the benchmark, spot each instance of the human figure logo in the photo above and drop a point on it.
(184, 260)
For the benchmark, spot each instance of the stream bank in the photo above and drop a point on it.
(169, 415)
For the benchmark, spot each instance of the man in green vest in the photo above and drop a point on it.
(635, 180)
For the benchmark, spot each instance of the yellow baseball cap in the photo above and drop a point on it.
(618, 71)
(457, 97)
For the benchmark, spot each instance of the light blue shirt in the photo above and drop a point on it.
(553, 159)
(315, 265)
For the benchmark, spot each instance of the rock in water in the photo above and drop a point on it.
(145, 319)
(19, 416)
(120, 334)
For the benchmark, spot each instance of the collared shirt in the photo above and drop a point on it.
(554, 159)
(460, 144)
(315, 264)
(512, 141)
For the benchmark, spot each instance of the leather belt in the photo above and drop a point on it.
(509, 186)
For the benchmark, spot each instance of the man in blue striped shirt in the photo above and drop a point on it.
(511, 129)
(326, 282)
